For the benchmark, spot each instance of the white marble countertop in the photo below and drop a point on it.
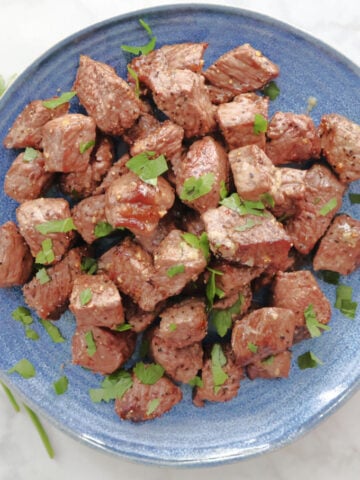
(330, 451)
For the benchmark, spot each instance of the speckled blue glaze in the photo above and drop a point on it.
(266, 414)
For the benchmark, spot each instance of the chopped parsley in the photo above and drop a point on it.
(211, 289)
(85, 296)
(46, 254)
(195, 188)
(328, 207)
(112, 387)
(30, 154)
(83, 147)
(23, 315)
(172, 327)
(41, 431)
(61, 385)
(31, 334)
(271, 90)
(201, 243)
(148, 168)
(354, 198)
(175, 270)
(223, 190)
(123, 327)
(90, 343)
(218, 360)
(42, 276)
(244, 207)
(53, 331)
(10, 396)
(89, 265)
(24, 368)
(56, 102)
(152, 406)
(308, 360)
(249, 223)
(143, 49)
(148, 374)
(196, 382)
(268, 360)
(252, 347)
(222, 319)
(312, 324)
(330, 277)
(260, 124)
(102, 229)
(56, 226)
(134, 75)
(344, 301)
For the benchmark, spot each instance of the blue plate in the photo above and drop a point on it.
(266, 414)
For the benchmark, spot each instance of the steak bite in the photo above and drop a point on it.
(339, 249)
(236, 120)
(205, 157)
(146, 402)
(51, 299)
(65, 141)
(26, 180)
(95, 301)
(275, 366)
(16, 261)
(32, 214)
(82, 184)
(251, 240)
(220, 377)
(291, 138)
(117, 169)
(184, 323)
(136, 205)
(322, 200)
(87, 214)
(296, 291)
(136, 317)
(180, 364)
(241, 70)
(106, 97)
(144, 126)
(340, 143)
(105, 352)
(164, 227)
(26, 131)
(234, 278)
(263, 332)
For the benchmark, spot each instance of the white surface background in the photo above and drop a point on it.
(329, 452)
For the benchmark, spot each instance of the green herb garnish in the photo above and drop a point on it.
(123, 327)
(330, 277)
(211, 289)
(46, 255)
(344, 301)
(90, 343)
(83, 147)
(89, 265)
(222, 319)
(194, 188)
(85, 296)
(143, 49)
(260, 124)
(31, 334)
(201, 243)
(42, 276)
(152, 406)
(147, 167)
(328, 207)
(53, 331)
(244, 207)
(24, 368)
(312, 324)
(56, 226)
(30, 154)
(268, 360)
(196, 382)
(56, 102)
(102, 229)
(354, 198)
(172, 327)
(148, 374)
(134, 75)
(308, 360)
(252, 347)
(11, 397)
(113, 386)
(271, 90)
(175, 270)
(223, 190)
(23, 315)
(249, 223)
(40, 429)
(61, 385)
(218, 360)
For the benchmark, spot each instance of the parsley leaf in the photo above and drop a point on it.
(134, 75)
(52, 331)
(330, 277)
(30, 154)
(211, 289)
(23, 315)
(123, 327)
(30, 333)
(84, 146)
(308, 360)
(354, 197)
(148, 374)
(312, 324)
(196, 382)
(61, 385)
(152, 406)
(143, 49)
(244, 207)
(201, 243)
(222, 319)
(24, 368)
(85, 296)
(252, 347)
(194, 188)
(89, 265)
(148, 168)
(9, 393)
(42, 276)
(328, 207)
(260, 124)
(268, 360)
(271, 90)
(56, 102)
(344, 301)
(46, 255)
(223, 190)
(41, 431)
(175, 270)
(249, 223)
(218, 360)
(90, 343)
(172, 327)
(113, 386)
(56, 226)
(102, 229)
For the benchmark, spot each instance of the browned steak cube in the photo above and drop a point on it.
(297, 291)
(87, 215)
(220, 357)
(138, 319)
(16, 261)
(181, 364)
(288, 191)
(236, 120)
(234, 277)
(251, 240)
(146, 402)
(165, 140)
(339, 249)
(263, 332)
(118, 169)
(275, 366)
(241, 70)
(219, 95)
(102, 350)
(82, 184)
(183, 323)
(95, 301)
(205, 159)
(136, 205)
(67, 143)
(27, 128)
(340, 143)
(144, 126)
(183, 97)
(322, 200)
(32, 214)
(26, 180)
(192, 222)
(51, 299)
(164, 227)
(106, 97)
(291, 138)
(239, 301)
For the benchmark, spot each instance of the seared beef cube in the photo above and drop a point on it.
(176, 264)
(118, 169)
(239, 301)
(51, 299)
(111, 350)
(192, 222)
(65, 141)
(181, 364)
(275, 366)
(183, 323)
(144, 126)
(340, 143)
(165, 140)
(297, 291)
(205, 157)
(138, 319)
(82, 184)
(15, 258)
(288, 191)
(164, 227)
(26, 180)
(236, 120)
(27, 128)
(211, 391)
(183, 97)
(251, 240)
(131, 268)
(234, 277)
(106, 97)
(219, 95)
(33, 213)
(87, 214)
(263, 332)
(136, 205)
(339, 249)
(241, 70)
(323, 198)
(291, 138)
(146, 402)
(95, 301)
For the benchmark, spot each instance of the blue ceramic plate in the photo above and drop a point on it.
(266, 414)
